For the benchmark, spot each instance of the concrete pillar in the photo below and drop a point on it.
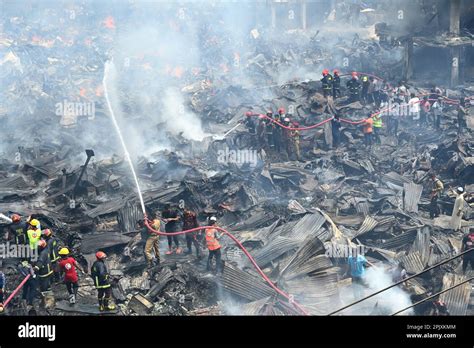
(454, 16)
(303, 15)
(455, 56)
(408, 60)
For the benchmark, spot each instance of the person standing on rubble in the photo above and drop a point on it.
(295, 140)
(261, 133)
(286, 137)
(327, 83)
(399, 273)
(212, 241)
(414, 107)
(43, 266)
(68, 266)
(31, 285)
(192, 238)
(424, 111)
(437, 110)
(100, 276)
(368, 130)
(3, 282)
(171, 217)
(378, 125)
(356, 265)
(277, 130)
(456, 217)
(269, 128)
(468, 244)
(463, 111)
(34, 233)
(354, 86)
(436, 192)
(336, 85)
(365, 89)
(152, 242)
(53, 247)
(18, 229)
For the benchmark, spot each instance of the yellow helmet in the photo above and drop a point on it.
(64, 251)
(34, 223)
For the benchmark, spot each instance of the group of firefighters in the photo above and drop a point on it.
(53, 260)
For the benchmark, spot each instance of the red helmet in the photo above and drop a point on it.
(16, 218)
(281, 111)
(42, 243)
(47, 232)
(325, 72)
(336, 72)
(262, 117)
(100, 255)
(354, 74)
(248, 113)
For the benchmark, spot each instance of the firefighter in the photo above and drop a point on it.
(286, 137)
(152, 242)
(171, 216)
(436, 192)
(192, 238)
(269, 128)
(18, 229)
(29, 288)
(368, 130)
(468, 244)
(261, 133)
(327, 82)
(2, 287)
(53, 247)
(43, 267)
(100, 275)
(378, 125)
(336, 85)
(213, 245)
(68, 266)
(354, 86)
(34, 233)
(336, 131)
(365, 89)
(277, 130)
(295, 140)
(249, 122)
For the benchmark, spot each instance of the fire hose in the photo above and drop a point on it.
(239, 244)
(18, 288)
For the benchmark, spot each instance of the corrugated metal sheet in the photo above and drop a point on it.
(128, 217)
(314, 264)
(264, 232)
(395, 178)
(368, 225)
(244, 285)
(275, 249)
(15, 181)
(412, 262)
(401, 240)
(311, 247)
(422, 245)
(456, 299)
(254, 307)
(363, 208)
(106, 208)
(412, 196)
(309, 225)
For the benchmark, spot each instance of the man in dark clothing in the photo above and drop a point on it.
(18, 229)
(335, 129)
(276, 131)
(171, 217)
(261, 133)
(269, 129)
(249, 122)
(43, 266)
(336, 85)
(100, 275)
(354, 86)
(365, 89)
(327, 82)
(29, 289)
(468, 244)
(53, 247)
(2, 286)
(193, 238)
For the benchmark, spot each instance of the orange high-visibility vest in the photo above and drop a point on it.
(211, 240)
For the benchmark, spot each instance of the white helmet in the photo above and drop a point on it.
(213, 218)
(460, 189)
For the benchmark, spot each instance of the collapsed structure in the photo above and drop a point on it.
(286, 213)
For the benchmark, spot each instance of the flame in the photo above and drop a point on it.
(109, 22)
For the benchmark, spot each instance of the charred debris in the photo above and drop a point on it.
(285, 212)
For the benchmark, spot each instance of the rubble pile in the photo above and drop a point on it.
(287, 213)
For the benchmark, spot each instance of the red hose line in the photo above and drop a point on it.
(252, 260)
(16, 290)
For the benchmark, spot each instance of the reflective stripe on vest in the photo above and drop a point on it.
(377, 122)
(212, 242)
(101, 286)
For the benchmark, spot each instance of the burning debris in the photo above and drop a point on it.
(309, 180)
